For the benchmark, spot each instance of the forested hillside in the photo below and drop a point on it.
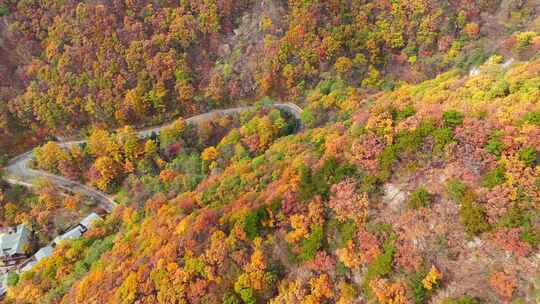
(71, 64)
(413, 175)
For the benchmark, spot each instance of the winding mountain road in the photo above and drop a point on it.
(19, 172)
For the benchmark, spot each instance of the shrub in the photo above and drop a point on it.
(472, 30)
(516, 217)
(94, 252)
(531, 236)
(473, 216)
(309, 186)
(4, 9)
(311, 244)
(247, 294)
(147, 167)
(417, 285)
(230, 298)
(420, 198)
(499, 89)
(325, 86)
(452, 118)
(343, 65)
(171, 133)
(528, 155)
(406, 142)
(383, 263)
(12, 279)
(386, 160)
(456, 190)
(495, 177)
(188, 164)
(308, 118)
(368, 184)
(252, 222)
(334, 172)
(524, 39)
(475, 57)
(494, 144)
(532, 118)
(318, 183)
(406, 112)
(441, 138)
(420, 293)
(412, 141)
(50, 155)
(356, 130)
(346, 232)
(209, 154)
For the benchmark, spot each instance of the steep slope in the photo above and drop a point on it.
(426, 194)
(415, 177)
(114, 63)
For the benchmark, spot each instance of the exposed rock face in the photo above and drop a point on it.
(241, 51)
(394, 196)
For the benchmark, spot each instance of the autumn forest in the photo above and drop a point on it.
(270, 151)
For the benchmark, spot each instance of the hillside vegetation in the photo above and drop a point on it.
(412, 177)
(426, 193)
(71, 64)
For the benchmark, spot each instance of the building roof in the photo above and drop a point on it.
(38, 256)
(78, 230)
(14, 242)
(90, 219)
(28, 266)
(71, 234)
(43, 253)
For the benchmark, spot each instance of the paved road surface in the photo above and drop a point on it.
(18, 170)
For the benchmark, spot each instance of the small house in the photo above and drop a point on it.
(38, 256)
(77, 231)
(73, 233)
(89, 220)
(14, 245)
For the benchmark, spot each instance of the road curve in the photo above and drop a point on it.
(19, 172)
